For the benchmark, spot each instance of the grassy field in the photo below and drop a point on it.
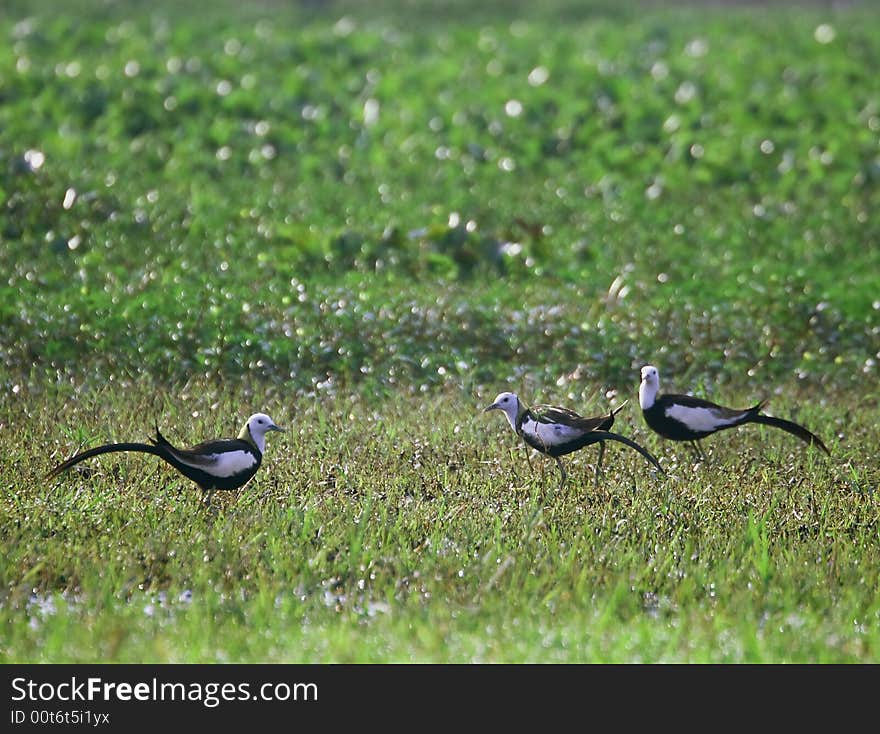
(367, 224)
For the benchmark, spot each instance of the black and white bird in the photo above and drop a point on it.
(556, 431)
(686, 418)
(224, 464)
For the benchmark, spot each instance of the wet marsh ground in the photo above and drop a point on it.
(367, 227)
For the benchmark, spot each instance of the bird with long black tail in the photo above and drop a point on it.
(220, 464)
(688, 418)
(556, 431)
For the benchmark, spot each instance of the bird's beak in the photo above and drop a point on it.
(494, 406)
(273, 427)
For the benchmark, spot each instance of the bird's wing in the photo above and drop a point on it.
(554, 414)
(719, 411)
(566, 417)
(207, 453)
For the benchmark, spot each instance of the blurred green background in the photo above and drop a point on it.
(406, 194)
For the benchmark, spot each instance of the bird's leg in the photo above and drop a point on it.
(512, 455)
(206, 497)
(562, 474)
(697, 450)
(529, 459)
(599, 464)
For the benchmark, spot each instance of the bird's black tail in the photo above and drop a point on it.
(793, 428)
(109, 448)
(608, 435)
(606, 423)
(160, 440)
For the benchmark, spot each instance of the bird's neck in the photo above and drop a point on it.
(258, 442)
(647, 395)
(515, 417)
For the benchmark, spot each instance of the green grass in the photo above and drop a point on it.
(182, 198)
(367, 223)
(416, 530)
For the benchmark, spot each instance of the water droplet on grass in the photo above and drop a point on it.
(35, 159)
(686, 92)
(371, 112)
(344, 26)
(538, 76)
(824, 33)
(671, 124)
(697, 48)
(494, 68)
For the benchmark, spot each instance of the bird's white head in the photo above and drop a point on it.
(509, 404)
(256, 428)
(649, 387)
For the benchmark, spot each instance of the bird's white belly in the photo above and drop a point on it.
(550, 434)
(699, 419)
(230, 463)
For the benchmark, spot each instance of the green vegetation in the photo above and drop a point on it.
(367, 224)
